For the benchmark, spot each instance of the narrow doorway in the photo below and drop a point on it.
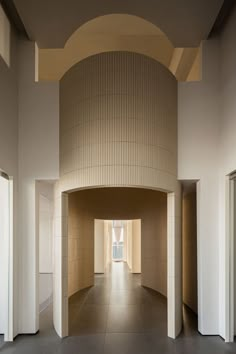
(189, 257)
(44, 200)
(117, 241)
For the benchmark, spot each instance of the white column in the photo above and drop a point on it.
(6, 259)
(129, 244)
(136, 246)
(60, 276)
(174, 276)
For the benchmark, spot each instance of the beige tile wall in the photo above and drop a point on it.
(118, 123)
(118, 127)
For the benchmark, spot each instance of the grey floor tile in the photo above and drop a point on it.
(136, 343)
(117, 316)
(91, 319)
(124, 319)
(86, 344)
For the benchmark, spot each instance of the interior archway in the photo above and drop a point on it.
(119, 32)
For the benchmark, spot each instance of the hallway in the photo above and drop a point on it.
(117, 304)
(117, 316)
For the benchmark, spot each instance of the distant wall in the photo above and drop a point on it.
(117, 204)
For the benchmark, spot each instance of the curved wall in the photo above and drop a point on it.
(118, 123)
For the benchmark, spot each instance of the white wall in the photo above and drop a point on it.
(227, 153)
(8, 111)
(4, 245)
(198, 156)
(36, 134)
(207, 151)
(38, 109)
(9, 142)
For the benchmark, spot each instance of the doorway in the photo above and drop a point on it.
(75, 214)
(189, 256)
(117, 241)
(44, 229)
(132, 253)
(6, 257)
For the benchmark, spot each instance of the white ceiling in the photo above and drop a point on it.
(51, 22)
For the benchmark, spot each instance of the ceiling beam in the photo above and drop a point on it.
(182, 62)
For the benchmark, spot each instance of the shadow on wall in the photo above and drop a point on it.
(117, 204)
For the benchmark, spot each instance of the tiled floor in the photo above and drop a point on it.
(117, 316)
(118, 304)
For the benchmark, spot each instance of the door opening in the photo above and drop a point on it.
(117, 241)
(189, 255)
(44, 207)
(161, 235)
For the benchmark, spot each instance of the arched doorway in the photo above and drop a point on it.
(173, 276)
(118, 128)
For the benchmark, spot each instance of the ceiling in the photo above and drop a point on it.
(51, 22)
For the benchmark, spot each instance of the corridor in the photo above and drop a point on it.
(117, 304)
(117, 316)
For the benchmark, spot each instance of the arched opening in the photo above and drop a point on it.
(101, 298)
(118, 128)
(119, 32)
